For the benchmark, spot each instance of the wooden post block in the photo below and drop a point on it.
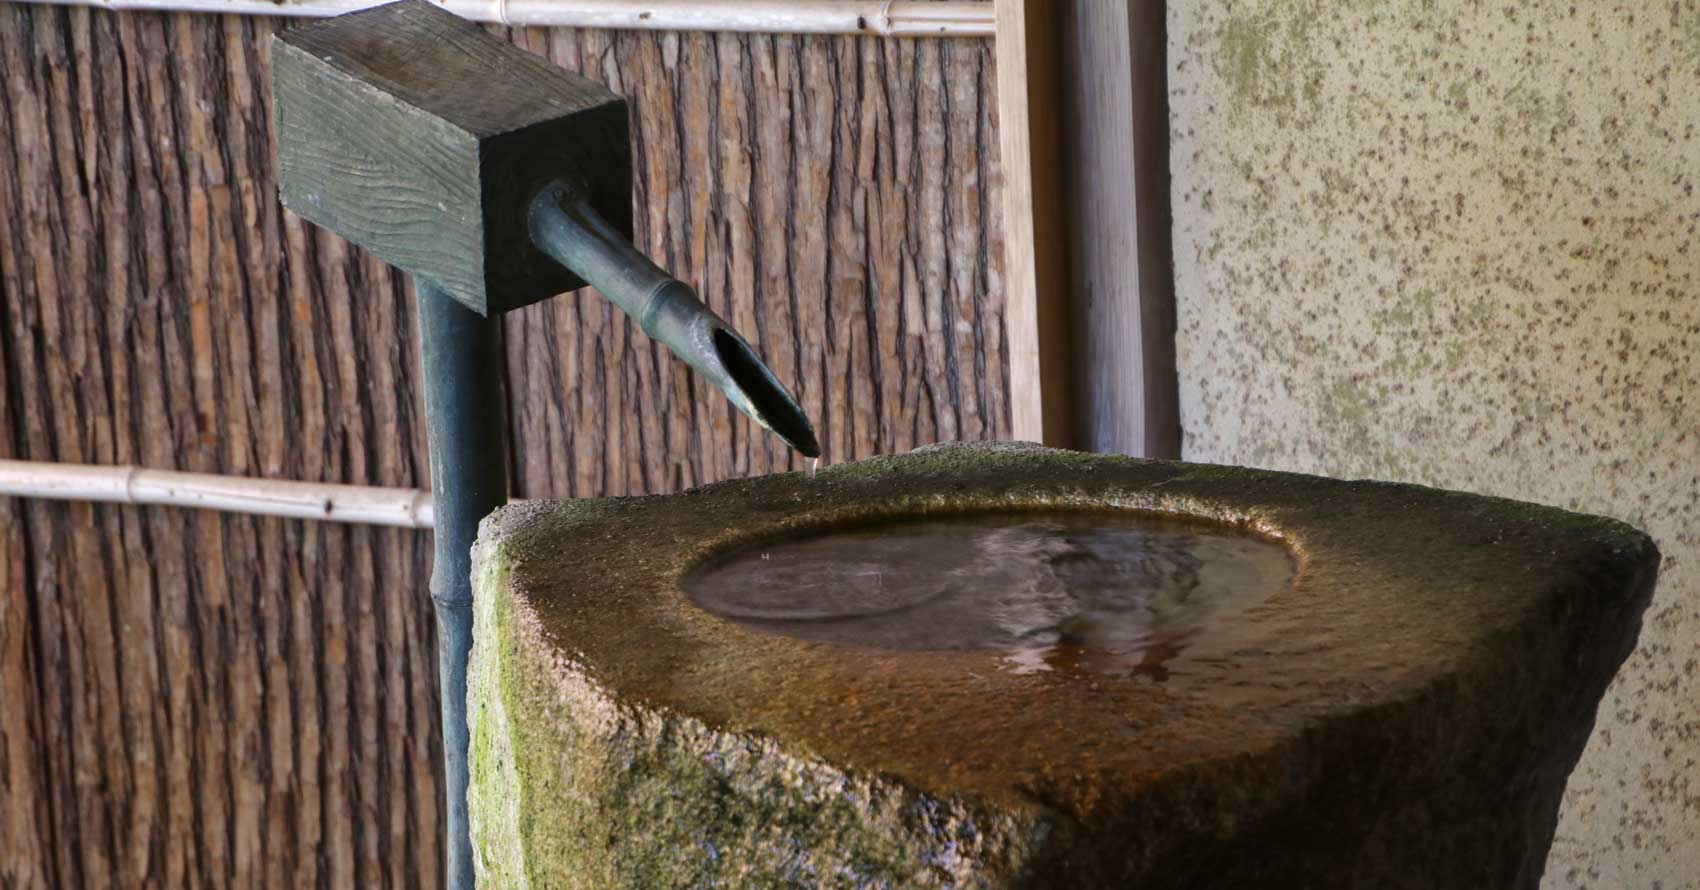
(420, 137)
(1037, 288)
(1088, 276)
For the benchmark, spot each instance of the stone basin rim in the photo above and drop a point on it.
(1337, 532)
(1476, 664)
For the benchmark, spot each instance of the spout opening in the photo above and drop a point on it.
(773, 405)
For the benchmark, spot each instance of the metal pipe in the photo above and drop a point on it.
(461, 360)
(565, 226)
(464, 424)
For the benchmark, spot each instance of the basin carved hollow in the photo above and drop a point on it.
(1000, 665)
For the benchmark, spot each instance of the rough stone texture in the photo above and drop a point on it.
(1404, 715)
(1459, 244)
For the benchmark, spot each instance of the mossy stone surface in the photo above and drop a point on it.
(1404, 715)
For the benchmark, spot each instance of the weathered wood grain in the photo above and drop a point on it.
(421, 138)
(195, 699)
(1121, 301)
(26, 821)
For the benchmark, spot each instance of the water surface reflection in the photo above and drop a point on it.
(1112, 593)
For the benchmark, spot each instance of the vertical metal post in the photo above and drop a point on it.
(460, 357)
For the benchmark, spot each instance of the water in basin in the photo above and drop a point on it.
(1111, 592)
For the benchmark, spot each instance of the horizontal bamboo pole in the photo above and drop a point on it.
(370, 505)
(888, 18)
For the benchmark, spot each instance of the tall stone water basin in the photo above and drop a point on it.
(1006, 666)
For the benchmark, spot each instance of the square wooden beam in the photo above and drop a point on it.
(1089, 293)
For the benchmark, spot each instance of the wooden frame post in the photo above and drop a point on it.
(1083, 117)
(1035, 273)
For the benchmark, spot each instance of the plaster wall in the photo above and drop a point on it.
(1458, 244)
